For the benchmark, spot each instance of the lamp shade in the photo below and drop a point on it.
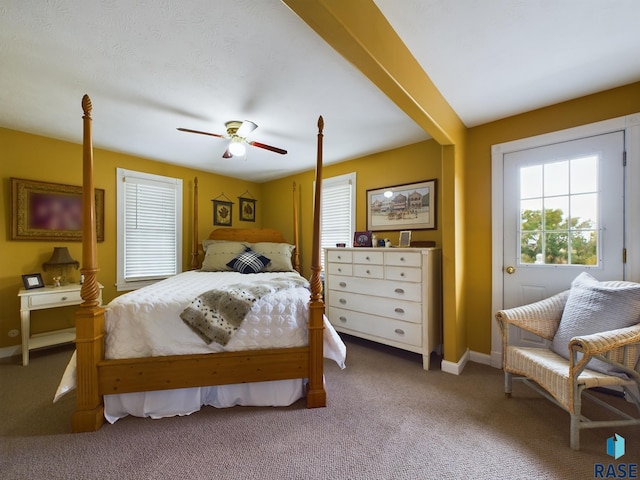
(60, 257)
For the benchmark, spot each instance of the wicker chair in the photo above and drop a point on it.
(565, 381)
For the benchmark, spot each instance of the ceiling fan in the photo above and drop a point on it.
(238, 132)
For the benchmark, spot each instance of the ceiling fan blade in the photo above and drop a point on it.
(268, 147)
(188, 130)
(246, 128)
(227, 154)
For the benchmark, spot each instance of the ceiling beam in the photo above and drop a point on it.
(363, 36)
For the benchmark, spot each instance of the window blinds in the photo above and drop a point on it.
(337, 212)
(149, 227)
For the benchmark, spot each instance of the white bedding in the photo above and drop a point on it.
(146, 322)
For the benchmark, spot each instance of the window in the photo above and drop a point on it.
(338, 212)
(149, 228)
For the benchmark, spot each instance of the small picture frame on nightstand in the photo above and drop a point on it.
(32, 280)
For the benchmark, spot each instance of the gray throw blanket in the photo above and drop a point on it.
(217, 314)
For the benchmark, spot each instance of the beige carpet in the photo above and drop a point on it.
(386, 419)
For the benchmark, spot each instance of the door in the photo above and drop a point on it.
(563, 214)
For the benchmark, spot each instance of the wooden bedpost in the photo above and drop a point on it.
(194, 246)
(89, 414)
(296, 252)
(316, 394)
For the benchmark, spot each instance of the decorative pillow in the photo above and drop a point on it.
(219, 254)
(248, 262)
(594, 307)
(279, 253)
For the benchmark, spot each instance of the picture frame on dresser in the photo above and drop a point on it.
(32, 280)
(362, 239)
(405, 239)
(399, 207)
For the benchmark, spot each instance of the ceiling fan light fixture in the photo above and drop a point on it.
(237, 148)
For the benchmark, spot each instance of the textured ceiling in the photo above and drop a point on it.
(153, 65)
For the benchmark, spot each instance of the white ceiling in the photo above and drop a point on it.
(150, 66)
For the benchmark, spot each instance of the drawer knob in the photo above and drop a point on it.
(368, 258)
(399, 310)
(402, 259)
(399, 331)
(402, 274)
(368, 272)
(63, 299)
(339, 269)
(343, 319)
(399, 290)
(343, 284)
(342, 301)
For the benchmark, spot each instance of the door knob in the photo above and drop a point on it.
(510, 270)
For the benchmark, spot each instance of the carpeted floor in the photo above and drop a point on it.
(386, 419)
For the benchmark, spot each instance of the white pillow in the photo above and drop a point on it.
(594, 307)
(219, 254)
(279, 253)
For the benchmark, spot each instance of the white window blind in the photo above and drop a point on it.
(149, 228)
(338, 211)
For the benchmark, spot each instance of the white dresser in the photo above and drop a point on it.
(387, 295)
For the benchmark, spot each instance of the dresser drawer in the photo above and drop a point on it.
(384, 307)
(375, 287)
(409, 259)
(368, 257)
(404, 274)
(340, 269)
(339, 256)
(55, 298)
(396, 330)
(368, 271)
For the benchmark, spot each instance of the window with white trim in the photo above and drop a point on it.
(338, 212)
(149, 228)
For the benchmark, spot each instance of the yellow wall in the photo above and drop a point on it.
(413, 163)
(38, 158)
(477, 269)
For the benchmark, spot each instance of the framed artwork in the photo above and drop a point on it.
(50, 211)
(247, 209)
(362, 239)
(398, 207)
(405, 238)
(32, 280)
(222, 213)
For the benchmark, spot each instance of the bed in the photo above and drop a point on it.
(153, 378)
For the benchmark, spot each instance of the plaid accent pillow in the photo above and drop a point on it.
(248, 262)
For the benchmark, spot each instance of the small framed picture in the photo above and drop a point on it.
(32, 280)
(247, 209)
(405, 238)
(362, 239)
(222, 213)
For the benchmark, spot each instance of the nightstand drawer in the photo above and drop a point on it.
(59, 299)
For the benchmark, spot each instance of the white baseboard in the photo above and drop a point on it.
(456, 367)
(12, 351)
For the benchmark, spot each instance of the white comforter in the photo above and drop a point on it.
(146, 322)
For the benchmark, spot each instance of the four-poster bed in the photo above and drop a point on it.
(98, 375)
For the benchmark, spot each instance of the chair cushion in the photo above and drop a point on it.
(593, 307)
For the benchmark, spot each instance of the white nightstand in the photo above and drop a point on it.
(41, 299)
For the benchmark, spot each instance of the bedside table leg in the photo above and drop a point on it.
(25, 332)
